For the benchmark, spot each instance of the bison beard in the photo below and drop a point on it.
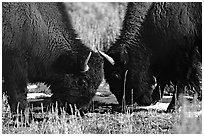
(40, 45)
(157, 39)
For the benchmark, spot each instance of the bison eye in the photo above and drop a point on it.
(116, 75)
(81, 82)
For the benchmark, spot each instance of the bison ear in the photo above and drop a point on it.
(124, 56)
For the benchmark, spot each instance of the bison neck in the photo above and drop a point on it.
(132, 24)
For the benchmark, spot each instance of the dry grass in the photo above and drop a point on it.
(185, 120)
(98, 25)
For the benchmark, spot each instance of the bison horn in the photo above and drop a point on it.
(110, 59)
(86, 67)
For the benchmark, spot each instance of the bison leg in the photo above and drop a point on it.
(196, 77)
(16, 97)
(175, 102)
(15, 82)
(158, 93)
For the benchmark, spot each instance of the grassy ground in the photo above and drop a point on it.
(149, 121)
(100, 119)
(98, 26)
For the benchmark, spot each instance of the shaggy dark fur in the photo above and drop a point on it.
(157, 39)
(129, 53)
(40, 45)
(173, 32)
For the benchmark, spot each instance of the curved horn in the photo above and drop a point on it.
(110, 59)
(86, 67)
(87, 59)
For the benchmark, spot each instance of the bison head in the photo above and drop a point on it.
(76, 80)
(126, 69)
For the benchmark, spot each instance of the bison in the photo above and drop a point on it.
(159, 43)
(40, 45)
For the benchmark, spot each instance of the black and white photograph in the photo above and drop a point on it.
(101, 67)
